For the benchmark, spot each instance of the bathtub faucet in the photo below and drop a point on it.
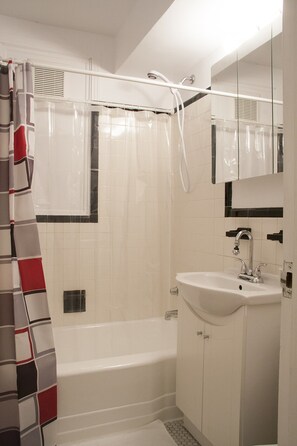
(170, 314)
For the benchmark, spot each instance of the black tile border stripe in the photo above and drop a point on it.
(93, 217)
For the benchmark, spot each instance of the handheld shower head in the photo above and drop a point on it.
(151, 75)
(154, 75)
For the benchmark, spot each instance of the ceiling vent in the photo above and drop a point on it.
(48, 82)
(246, 109)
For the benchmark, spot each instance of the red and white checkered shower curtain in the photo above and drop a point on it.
(28, 390)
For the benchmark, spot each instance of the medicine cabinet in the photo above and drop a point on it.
(247, 129)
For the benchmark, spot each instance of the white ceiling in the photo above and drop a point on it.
(97, 16)
(191, 31)
(171, 36)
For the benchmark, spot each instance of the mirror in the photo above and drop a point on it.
(224, 123)
(247, 137)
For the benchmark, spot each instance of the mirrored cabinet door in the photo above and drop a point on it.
(224, 123)
(254, 116)
(247, 138)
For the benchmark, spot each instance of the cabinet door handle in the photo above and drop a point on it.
(199, 333)
(206, 337)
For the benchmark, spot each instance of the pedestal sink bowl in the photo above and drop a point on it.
(222, 293)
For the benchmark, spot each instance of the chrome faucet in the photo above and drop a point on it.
(247, 271)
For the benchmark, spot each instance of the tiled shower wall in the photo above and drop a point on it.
(198, 241)
(123, 260)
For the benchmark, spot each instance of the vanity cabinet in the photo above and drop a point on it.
(227, 374)
(190, 348)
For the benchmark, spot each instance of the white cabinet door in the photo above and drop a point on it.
(222, 381)
(189, 373)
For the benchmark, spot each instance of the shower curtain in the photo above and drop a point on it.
(134, 202)
(28, 391)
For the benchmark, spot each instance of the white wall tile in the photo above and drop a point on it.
(41, 227)
(256, 226)
(269, 226)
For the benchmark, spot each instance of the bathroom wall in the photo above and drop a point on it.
(198, 241)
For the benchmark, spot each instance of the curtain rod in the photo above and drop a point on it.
(156, 83)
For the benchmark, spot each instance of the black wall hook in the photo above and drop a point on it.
(234, 232)
(278, 236)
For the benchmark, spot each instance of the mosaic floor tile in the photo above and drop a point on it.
(180, 434)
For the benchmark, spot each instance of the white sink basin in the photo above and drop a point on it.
(221, 293)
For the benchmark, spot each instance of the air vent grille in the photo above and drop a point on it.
(246, 109)
(48, 82)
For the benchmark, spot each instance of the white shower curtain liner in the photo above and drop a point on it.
(134, 163)
(122, 261)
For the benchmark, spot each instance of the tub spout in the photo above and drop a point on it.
(170, 314)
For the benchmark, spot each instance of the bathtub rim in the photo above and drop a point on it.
(113, 363)
(119, 322)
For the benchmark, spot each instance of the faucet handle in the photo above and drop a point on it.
(243, 265)
(257, 270)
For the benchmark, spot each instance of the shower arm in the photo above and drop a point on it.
(145, 81)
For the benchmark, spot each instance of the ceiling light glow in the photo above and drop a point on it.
(243, 19)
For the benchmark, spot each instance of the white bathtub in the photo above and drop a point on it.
(115, 376)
